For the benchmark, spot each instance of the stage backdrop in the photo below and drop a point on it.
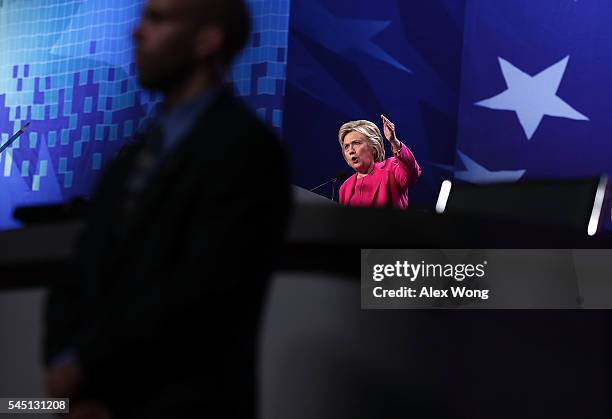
(67, 66)
(535, 91)
(480, 90)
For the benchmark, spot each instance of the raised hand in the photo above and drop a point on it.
(389, 129)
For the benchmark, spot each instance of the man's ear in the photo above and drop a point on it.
(209, 41)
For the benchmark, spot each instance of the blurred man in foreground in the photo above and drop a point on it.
(161, 316)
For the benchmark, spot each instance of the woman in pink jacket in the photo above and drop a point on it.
(377, 182)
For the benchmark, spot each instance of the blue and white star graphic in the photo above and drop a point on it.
(345, 34)
(476, 173)
(533, 97)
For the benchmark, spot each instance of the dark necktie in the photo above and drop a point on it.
(145, 163)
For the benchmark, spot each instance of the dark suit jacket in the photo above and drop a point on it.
(164, 305)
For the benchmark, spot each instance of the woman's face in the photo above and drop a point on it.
(357, 152)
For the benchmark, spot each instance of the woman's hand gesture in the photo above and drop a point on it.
(389, 130)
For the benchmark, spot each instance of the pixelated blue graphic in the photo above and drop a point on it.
(259, 74)
(67, 66)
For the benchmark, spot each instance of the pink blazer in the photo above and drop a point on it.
(392, 178)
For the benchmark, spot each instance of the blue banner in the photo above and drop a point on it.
(535, 86)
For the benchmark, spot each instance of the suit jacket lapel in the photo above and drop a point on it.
(160, 185)
(349, 190)
(377, 177)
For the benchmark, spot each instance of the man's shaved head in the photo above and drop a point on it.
(178, 39)
(232, 16)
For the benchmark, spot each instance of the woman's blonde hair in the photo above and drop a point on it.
(367, 129)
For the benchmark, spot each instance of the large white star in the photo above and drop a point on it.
(532, 97)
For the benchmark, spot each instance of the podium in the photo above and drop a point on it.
(303, 196)
(352, 363)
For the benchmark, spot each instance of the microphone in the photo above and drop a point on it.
(340, 177)
(14, 137)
